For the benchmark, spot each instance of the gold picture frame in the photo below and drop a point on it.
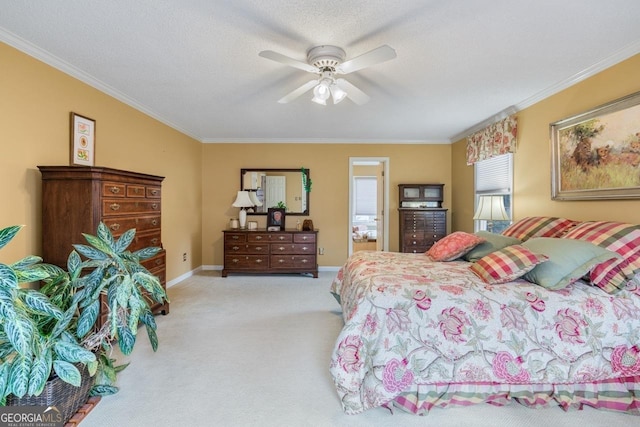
(83, 140)
(596, 154)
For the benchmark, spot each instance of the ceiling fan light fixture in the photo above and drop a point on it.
(321, 93)
(337, 93)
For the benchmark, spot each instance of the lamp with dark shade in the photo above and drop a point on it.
(491, 208)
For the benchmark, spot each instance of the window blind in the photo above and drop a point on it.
(365, 195)
(494, 175)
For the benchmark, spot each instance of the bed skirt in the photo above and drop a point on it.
(618, 394)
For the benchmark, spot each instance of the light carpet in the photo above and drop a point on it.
(255, 351)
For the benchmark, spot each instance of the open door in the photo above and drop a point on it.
(368, 204)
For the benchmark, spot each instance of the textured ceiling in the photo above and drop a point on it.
(194, 64)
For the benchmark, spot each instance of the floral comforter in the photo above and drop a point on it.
(411, 321)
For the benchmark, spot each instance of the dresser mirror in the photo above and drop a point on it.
(274, 188)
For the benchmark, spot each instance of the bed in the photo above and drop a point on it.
(423, 331)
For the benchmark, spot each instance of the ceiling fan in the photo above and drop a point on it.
(328, 62)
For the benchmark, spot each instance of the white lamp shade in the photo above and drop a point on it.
(337, 93)
(243, 200)
(491, 208)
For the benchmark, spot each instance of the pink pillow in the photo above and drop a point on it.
(453, 246)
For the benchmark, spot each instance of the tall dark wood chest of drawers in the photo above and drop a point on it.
(261, 251)
(75, 199)
(423, 221)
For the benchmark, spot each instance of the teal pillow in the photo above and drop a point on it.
(569, 260)
(493, 242)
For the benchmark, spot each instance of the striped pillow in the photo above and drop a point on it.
(539, 226)
(506, 264)
(618, 237)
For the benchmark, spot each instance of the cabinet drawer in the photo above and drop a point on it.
(293, 248)
(304, 238)
(144, 240)
(120, 225)
(156, 263)
(243, 248)
(113, 189)
(134, 191)
(269, 237)
(246, 262)
(154, 192)
(293, 261)
(235, 238)
(126, 207)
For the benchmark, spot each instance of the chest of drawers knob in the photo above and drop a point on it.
(114, 206)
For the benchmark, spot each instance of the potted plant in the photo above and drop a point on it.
(53, 332)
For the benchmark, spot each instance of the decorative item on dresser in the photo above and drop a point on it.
(423, 221)
(260, 251)
(75, 199)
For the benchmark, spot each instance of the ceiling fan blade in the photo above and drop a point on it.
(278, 57)
(297, 92)
(375, 56)
(353, 93)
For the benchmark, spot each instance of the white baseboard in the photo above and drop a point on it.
(183, 277)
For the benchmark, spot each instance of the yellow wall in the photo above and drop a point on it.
(35, 104)
(329, 197)
(532, 162)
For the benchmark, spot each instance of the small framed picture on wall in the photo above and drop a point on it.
(275, 219)
(83, 140)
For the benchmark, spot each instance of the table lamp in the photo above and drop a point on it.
(491, 208)
(243, 201)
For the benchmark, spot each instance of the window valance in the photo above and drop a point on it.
(496, 139)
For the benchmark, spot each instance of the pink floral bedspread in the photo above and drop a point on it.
(411, 321)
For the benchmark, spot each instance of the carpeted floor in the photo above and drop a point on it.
(254, 351)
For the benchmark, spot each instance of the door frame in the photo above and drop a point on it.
(385, 217)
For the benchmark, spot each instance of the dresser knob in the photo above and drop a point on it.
(281, 237)
(280, 261)
(258, 248)
(158, 261)
(305, 237)
(115, 227)
(414, 242)
(154, 222)
(235, 248)
(137, 190)
(258, 260)
(154, 241)
(114, 206)
(114, 190)
(304, 248)
(281, 248)
(258, 237)
(235, 260)
(154, 192)
(154, 206)
(235, 237)
(304, 261)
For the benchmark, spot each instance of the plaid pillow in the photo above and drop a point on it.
(618, 237)
(506, 264)
(453, 246)
(539, 226)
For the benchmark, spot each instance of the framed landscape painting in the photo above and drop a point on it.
(596, 154)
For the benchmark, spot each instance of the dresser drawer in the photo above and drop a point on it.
(153, 192)
(293, 261)
(134, 191)
(145, 240)
(244, 248)
(155, 264)
(293, 248)
(114, 189)
(269, 237)
(128, 207)
(304, 238)
(246, 262)
(235, 238)
(142, 223)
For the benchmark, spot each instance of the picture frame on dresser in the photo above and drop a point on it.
(275, 219)
(83, 140)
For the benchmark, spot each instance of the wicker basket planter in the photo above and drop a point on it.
(64, 396)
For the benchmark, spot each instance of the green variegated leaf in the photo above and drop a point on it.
(6, 234)
(153, 337)
(124, 291)
(103, 390)
(91, 252)
(40, 303)
(40, 371)
(126, 340)
(73, 352)
(21, 333)
(105, 235)
(19, 376)
(26, 262)
(67, 372)
(99, 244)
(73, 264)
(92, 367)
(125, 240)
(148, 319)
(64, 321)
(4, 379)
(147, 253)
(87, 319)
(8, 277)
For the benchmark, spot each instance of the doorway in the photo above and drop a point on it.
(368, 204)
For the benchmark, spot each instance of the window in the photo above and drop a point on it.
(365, 200)
(494, 176)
